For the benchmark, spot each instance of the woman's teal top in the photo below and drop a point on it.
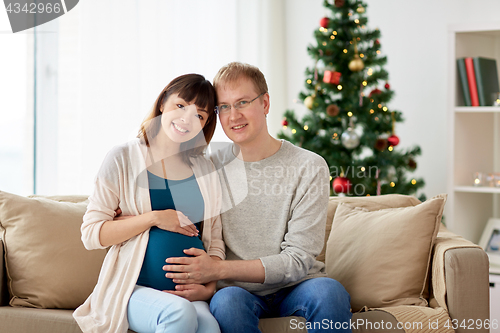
(182, 195)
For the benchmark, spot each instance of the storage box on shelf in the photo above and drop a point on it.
(473, 136)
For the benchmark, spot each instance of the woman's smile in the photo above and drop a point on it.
(181, 130)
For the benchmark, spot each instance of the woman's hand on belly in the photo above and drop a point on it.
(173, 220)
(194, 292)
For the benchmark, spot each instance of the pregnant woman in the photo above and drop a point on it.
(169, 196)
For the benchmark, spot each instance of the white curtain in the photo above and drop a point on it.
(107, 61)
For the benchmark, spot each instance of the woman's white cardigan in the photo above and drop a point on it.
(122, 182)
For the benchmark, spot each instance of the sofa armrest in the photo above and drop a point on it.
(4, 292)
(460, 280)
(467, 286)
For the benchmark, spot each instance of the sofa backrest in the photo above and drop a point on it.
(46, 263)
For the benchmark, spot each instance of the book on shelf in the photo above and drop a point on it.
(471, 77)
(478, 78)
(486, 80)
(464, 82)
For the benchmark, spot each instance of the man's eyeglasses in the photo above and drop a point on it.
(226, 108)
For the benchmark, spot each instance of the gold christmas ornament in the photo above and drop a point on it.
(308, 102)
(360, 9)
(356, 64)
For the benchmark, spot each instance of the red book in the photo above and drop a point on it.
(471, 76)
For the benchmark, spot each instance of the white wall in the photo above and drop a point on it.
(108, 68)
(414, 38)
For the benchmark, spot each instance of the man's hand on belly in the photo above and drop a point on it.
(199, 269)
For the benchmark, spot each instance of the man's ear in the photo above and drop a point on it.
(267, 103)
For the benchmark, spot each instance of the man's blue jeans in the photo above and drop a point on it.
(323, 302)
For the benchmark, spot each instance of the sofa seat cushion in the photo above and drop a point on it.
(18, 319)
(382, 257)
(27, 320)
(47, 265)
(362, 322)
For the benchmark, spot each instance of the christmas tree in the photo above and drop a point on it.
(350, 122)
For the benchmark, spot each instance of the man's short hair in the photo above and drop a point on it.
(233, 71)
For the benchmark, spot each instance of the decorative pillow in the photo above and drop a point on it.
(47, 265)
(382, 257)
(370, 203)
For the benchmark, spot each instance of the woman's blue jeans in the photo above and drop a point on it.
(323, 302)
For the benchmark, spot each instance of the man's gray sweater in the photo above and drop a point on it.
(274, 210)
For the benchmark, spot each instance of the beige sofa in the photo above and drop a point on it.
(456, 265)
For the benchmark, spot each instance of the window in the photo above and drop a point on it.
(16, 107)
(82, 83)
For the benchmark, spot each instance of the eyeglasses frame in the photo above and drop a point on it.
(217, 111)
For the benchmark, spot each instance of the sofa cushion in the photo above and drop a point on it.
(362, 322)
(47, 265)
(369, 203)
(38, 320)
(382, 257)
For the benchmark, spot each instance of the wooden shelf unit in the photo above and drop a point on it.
(473, 136)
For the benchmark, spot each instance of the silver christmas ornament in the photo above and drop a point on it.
(350, 139)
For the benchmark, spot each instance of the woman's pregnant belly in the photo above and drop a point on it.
(163, 244)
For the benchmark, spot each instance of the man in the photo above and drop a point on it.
(275, 198)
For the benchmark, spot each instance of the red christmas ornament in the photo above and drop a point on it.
(332, 77)
(284, 122)
(393, 140)
(375, 91)
(377, 42)
(341, 185)
(324, 22)
(387, 85)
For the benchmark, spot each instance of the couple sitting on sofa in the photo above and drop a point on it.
(166, 249)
